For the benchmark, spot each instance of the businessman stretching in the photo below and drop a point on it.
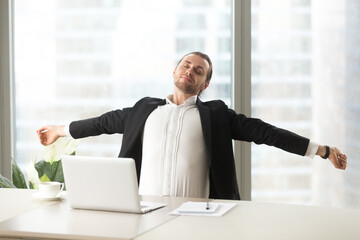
(183, 146)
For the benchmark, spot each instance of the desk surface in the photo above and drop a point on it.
(55, 219)
(22, 216)
(270, 221)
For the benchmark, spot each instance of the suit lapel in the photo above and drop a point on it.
(205, 118)
(141, 114)
(133, 133)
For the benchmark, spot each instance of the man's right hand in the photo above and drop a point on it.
(50, 133)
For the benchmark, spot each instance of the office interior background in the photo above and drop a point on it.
(76, 59)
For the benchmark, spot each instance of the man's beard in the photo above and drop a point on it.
(187, 89)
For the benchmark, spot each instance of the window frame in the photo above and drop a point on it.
(7, 134)
(241, 88)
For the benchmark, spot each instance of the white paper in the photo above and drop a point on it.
(198, 207)
(216, 209)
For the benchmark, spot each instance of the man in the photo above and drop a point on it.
(183, 146)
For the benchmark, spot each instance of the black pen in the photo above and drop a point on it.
(207, 206)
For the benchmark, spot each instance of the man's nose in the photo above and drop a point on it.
(189, 71)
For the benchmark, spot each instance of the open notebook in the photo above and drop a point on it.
(101, 183)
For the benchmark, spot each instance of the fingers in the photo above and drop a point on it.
(342, 160)
(43, 138)
(43, 135)
(42, 130)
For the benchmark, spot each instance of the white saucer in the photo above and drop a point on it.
(39, 196)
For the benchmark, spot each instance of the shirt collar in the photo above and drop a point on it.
(189, 102)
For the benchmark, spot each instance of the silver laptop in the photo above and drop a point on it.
(101, 183)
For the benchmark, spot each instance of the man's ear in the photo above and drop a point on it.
(174, 71)
(205, 85)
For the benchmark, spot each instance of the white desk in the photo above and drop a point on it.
(265, 221)
(23, 216)
(248, 220)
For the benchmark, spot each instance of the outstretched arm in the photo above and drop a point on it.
(338, 159)
(50, 133)
(255, 130)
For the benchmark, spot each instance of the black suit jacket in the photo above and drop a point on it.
(220, 126)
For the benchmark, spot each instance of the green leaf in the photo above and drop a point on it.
(53, 171)
(44, 178)
(17, 176)
(40, 168)
(31, 186)
(57, 172)
(6, 183)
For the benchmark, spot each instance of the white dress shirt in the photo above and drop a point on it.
(174, 161)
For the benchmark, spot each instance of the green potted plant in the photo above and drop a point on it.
(47, 169)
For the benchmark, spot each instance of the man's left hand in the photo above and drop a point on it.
(338, 159)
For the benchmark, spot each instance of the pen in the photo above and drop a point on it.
(207, 206)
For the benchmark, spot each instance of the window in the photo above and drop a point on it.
(78, 59)
(305, 78)
(304, 53)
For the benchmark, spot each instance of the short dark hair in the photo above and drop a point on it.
(204, 56)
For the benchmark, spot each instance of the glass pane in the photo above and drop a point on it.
(77, 59)
(336, 106)
(305, 69)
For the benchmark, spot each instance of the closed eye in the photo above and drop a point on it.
(199, 71)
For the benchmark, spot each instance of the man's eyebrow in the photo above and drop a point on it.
(188, 62)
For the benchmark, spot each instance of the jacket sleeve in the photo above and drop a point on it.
(260, 132)
(108, 123)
